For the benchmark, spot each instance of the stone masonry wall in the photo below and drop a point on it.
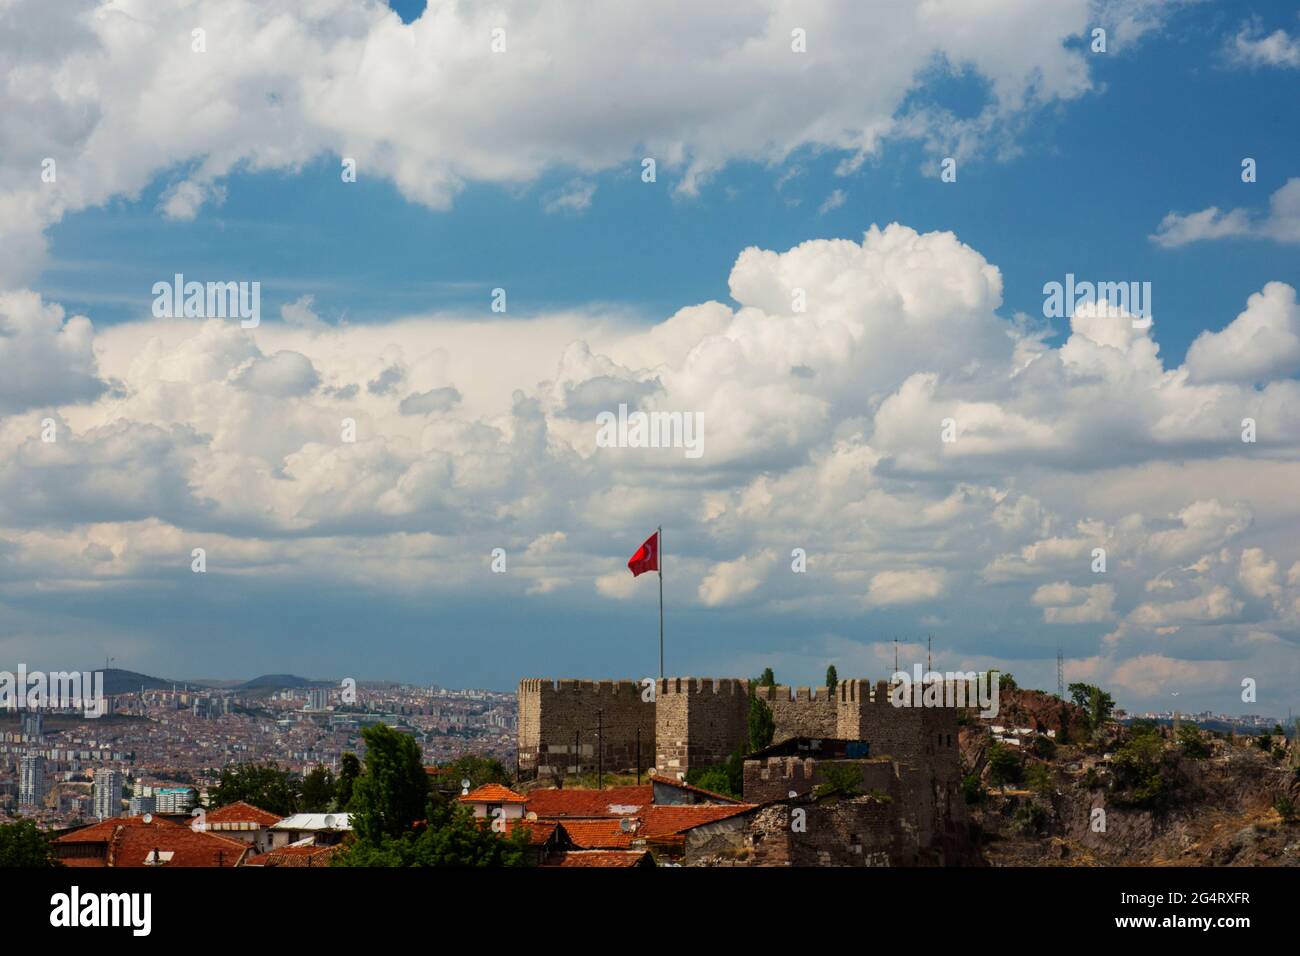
(778, 777)
(697, 722)
(555, 714)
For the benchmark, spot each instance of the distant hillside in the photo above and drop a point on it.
(278, 681)
(118, 681)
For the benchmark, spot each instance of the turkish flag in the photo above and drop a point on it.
(646, 557)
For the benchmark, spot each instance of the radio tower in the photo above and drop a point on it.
(1060, 673)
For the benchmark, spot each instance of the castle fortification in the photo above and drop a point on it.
(689, 722)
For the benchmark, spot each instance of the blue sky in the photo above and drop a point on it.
(1167, 130)
(370, 559)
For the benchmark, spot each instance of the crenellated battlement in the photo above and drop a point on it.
(700, 721)
(783, 692)
(730, 686)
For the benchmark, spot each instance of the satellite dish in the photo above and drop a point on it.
(464, 786)
(627, 824)
(329, 821)
(148, 818)
(532, 816)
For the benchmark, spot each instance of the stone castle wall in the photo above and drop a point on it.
(701, 721)
(561, 723)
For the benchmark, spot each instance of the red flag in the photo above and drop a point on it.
(646, 557)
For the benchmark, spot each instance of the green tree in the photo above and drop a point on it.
(263, 785)
(1194, 746)
(768, 679)
(318, 789)
(478, 770)
(1039, 779)
(23, 844)
(349, 771)
(832, 678)
(842, 778)
(762, 725)
(394, 790)
(1094, 701)
(1139, 776)
(1030, 819)
(1005, 682)
(1006, 766)
(727, 778)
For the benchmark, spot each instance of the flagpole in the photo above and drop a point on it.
(660, 562)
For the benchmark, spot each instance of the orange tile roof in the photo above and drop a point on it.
(601, 858)
(241, 812)
(598, 834)
(661, 821)
(103, 831)
(538, 831)
(552, 803)
(653, 823)
(131, 842)
(294, 856)
(134, 846)
(492, 793)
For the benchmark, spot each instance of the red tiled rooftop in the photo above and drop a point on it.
(652, 823)
(131, 842)
(492, 793)
(551, 802)
(309, 855)
(104, 830)
(134, 846)
(661, 821)
(598, 834)
(241, 812)
(601, 858)
(538, 831)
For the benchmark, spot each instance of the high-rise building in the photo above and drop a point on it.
(173, 800)
(108, 793)
(142, 804)
(32, 725)
(318, 698)
(31, 780)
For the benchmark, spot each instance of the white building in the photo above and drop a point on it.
(31, 780)
(175, 800)
(108, 793)
(322, 828)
